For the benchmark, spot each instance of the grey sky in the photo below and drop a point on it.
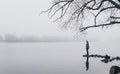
(21, 17)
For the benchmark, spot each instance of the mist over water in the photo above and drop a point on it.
(53, 51)
(54, 58)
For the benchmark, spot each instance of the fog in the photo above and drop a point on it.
(22, 18)
(55, 58)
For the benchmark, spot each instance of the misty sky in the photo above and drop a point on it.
(21, 17)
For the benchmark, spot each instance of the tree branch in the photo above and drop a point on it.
(101, 25)
(79, 8)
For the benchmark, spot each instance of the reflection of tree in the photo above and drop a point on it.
(105, 59)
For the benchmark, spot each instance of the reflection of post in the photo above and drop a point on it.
(87, 50)
(106, 59)
(87, 63)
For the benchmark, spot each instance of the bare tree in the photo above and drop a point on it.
(85, 14)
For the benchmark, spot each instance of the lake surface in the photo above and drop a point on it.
(55, 58)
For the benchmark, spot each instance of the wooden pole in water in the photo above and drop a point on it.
(87, 50)
(87, 47)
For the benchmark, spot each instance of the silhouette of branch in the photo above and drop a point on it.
(63, 8)
(113, 17)
(101, 25)
(117, 5)
(78, 10)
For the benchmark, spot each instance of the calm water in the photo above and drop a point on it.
(55, 58)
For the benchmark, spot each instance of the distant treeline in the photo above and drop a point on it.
(13, 38)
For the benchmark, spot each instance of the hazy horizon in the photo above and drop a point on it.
(21, 18)
(20, 22)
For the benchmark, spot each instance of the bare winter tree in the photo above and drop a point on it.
(85, 14)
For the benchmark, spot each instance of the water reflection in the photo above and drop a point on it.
(105, 59)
